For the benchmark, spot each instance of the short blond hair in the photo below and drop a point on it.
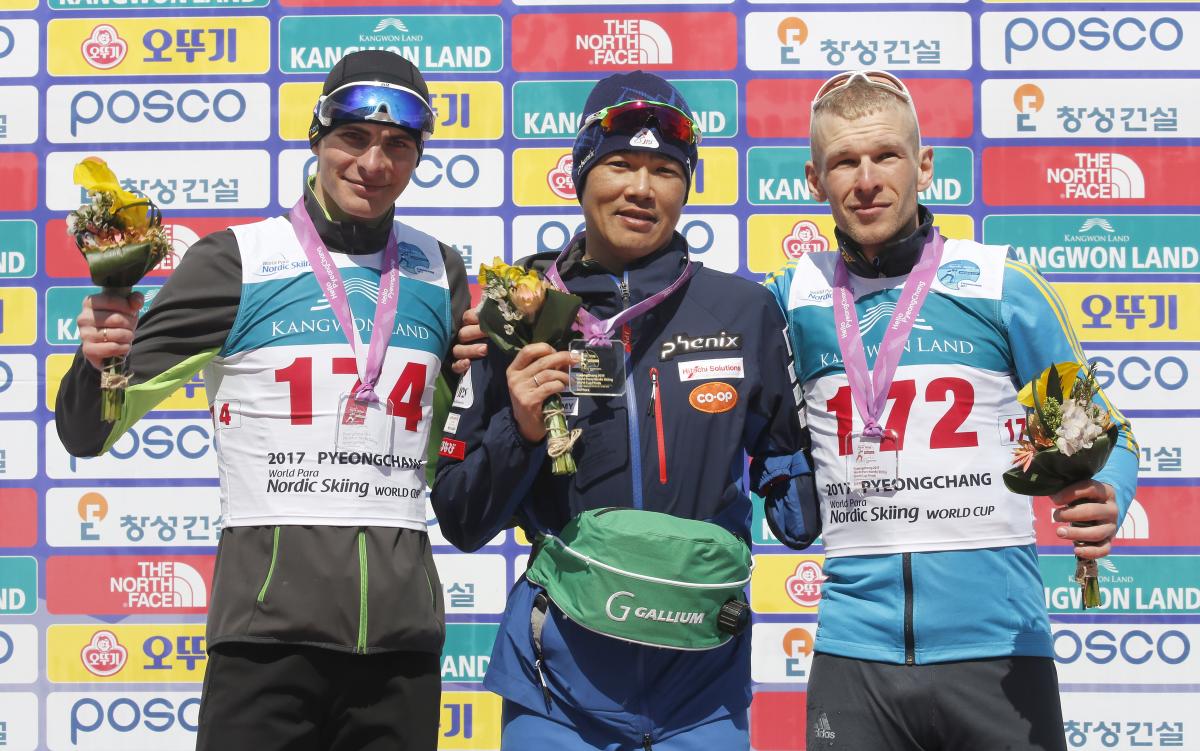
(854, 100)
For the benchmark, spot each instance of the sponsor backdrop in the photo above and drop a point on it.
(1068, 130)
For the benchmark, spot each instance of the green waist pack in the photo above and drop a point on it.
(647, 578)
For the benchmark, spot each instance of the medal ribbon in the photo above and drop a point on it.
(595, 329)
(321, 262)
(870, 390)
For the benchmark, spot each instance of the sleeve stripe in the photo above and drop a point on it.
(1060, 311)
(772, 276)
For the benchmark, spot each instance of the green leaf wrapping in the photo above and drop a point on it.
(552, 324)
(121, 265)
(1051, 470)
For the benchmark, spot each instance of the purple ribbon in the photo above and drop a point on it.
(335, 292)
(596, 330)
(870, 390)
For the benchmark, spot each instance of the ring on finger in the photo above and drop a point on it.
(536, 382)
(104, 335)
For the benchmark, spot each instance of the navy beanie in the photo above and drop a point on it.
(592, 143)
(370, 65)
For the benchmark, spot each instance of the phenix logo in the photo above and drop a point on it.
(1099, 175)
(628, 41)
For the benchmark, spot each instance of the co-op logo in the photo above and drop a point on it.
(459, 170)
(157, 106)
(554, 234)
(1093, 33)
(1135, 647)
(157, 714)
(160, 442)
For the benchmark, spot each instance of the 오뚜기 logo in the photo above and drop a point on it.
(104, 655)
(805, 237)
(559, 178)
(804, 586)
(104, 48)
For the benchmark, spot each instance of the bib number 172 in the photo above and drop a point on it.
(945, 434)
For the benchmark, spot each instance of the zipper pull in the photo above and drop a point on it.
(653, 391)
(537, 665)
(646, 743)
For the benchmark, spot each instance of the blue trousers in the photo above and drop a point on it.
(524, 730)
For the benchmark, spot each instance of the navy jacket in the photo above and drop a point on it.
(709, 380)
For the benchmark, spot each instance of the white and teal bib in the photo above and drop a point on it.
(952, 402)
(274, 388)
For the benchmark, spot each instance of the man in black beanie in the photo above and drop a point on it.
(326, 620)
(706, 379)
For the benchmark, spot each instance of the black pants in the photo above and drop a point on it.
(275, 697)
(1004, 704)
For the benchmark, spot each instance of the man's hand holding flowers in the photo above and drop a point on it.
(1067, 439)
(1091, 542)
(106, 326)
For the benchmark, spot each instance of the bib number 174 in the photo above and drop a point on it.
(405, 395)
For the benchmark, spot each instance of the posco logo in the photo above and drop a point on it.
(144, 715)
(1135, 372)
(1135, 647)
(150, 105)
(7, 42)
(1062, 34)
(460, 170)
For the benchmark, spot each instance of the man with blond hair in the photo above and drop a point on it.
(933, 633)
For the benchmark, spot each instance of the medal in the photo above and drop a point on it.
(871, 459)
(364, 421)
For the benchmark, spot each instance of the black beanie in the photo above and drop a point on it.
(370, 65)
(592, 143)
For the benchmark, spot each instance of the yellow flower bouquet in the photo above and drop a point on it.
(121, 237)
(519, 307)
(1067, 438)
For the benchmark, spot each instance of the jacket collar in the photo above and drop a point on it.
(898, 256)
(600, 289)
(352, 238)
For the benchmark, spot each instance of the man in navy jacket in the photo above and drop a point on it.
(708, 380)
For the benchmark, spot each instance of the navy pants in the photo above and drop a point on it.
(525, 730)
